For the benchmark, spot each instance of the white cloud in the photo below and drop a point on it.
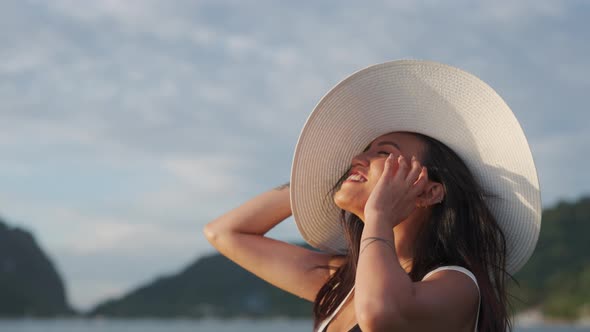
(120, 235)
(128, 12)
(212, 174)
(21, 62)
(507, 11)
(240, 45)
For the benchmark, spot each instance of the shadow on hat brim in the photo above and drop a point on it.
(429, 98)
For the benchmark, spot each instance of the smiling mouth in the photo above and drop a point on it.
(356, 178)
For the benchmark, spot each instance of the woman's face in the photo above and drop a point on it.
(367, 167)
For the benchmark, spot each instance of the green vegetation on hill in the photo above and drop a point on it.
(29, 284)
(556, 280)
(557, 277)
(212, 286)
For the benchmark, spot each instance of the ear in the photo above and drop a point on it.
(433, 193)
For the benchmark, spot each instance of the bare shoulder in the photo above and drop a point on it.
(448, 297)
(462, 282)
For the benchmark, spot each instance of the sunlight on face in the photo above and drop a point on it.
(367, 168)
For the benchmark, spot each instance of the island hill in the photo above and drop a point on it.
(556, 281)
(29, 283)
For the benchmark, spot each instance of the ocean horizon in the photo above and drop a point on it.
(208, 325)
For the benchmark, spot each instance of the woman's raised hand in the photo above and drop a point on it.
(395, 195)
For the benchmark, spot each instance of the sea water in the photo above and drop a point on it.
(234, 325)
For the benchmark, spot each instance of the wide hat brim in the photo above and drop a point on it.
(433, 99)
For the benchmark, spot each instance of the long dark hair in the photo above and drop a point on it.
(461, 231)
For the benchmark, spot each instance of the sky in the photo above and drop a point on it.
(126, 126)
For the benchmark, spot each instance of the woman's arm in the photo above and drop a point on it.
(239, 235)
(386, 299)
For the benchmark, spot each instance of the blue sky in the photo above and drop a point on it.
(127, 125)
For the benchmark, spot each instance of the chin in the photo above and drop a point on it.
(348, 203)
(341, 200)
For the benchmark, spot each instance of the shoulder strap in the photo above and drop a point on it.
(464, 271)
(327, 321)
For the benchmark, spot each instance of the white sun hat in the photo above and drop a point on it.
(433, 99)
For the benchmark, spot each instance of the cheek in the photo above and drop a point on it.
(375, 173)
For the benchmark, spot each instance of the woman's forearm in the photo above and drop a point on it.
(382, 286)
(256, 216)
(239, 235)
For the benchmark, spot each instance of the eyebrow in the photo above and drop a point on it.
(394, 144)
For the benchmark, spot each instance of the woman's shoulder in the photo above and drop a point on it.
(453, 268)
(469, 299)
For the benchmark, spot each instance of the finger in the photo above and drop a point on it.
(389, 167)
(414, 173)
(402, 171)
(421, 182)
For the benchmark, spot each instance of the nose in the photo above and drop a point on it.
(360, 160)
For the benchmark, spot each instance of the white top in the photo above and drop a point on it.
(325, 323)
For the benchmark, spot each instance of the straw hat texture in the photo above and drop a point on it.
(433, 99)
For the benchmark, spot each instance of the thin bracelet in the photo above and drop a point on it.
(375, 239)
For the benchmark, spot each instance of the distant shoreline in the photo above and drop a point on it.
(530, 318)
(526, 318)
(534, 317)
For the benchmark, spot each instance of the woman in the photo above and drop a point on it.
(437, 195)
